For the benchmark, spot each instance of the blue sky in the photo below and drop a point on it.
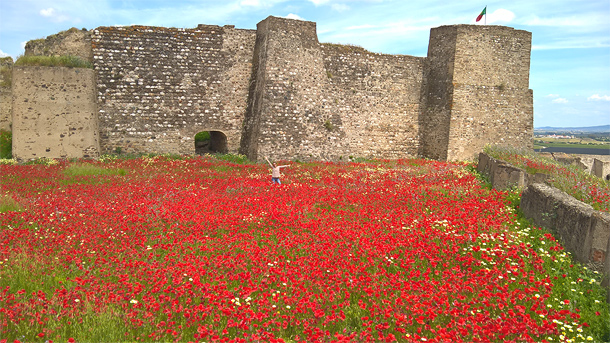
(570, 65)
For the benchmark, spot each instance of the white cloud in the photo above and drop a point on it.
(22, 45)
(500, 16)
(562, 22)
(340, 7)
(560, 101)
(49, 12)
(597, 97)
(361, 27)
(293, 16)
(574, 43)
(55, 16)
(254, 3)
(3, 54)
(319, 2)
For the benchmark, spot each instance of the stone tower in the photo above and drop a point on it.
(477, 91)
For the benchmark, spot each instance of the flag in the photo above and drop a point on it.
(484, 12)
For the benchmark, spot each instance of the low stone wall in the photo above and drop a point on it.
(505, 176)
(582, 231)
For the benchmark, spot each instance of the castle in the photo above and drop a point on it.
(274, 92)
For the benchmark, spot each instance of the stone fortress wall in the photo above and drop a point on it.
(6, 81)
(278, 92)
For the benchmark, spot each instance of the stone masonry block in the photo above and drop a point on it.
(535, 203)
(506, 176)
(601, 169)
(600, 234)
(565, 216)
(606, 273)
(573, 224)
(484, 163)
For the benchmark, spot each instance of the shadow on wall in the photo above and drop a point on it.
(210, 142)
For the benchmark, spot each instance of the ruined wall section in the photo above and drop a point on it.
(376, 98)
(72, 42)
(158, 87)
(54, 113)
(326, 101)
(6, 82)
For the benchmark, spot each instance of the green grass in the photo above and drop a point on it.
(6, 145)
(53, 61)
(233, 158)
(8, 204)
(86, 169)
(601, 146)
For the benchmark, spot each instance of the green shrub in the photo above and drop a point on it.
(6, 144)
(202, 136)
(53, 61)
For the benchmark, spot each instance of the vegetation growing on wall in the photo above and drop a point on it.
(202, 136)
(6, 75)
(570, 179)
(6, 144)
(53, 61)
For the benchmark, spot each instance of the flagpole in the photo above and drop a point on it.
(486, 15)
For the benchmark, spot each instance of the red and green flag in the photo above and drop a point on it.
(484, 12)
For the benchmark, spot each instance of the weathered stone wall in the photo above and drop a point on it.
(158, 87)
(437, 93)
(72, 42)
(278, 92)
(377, 98)
(323, 101)
(477, 91)
(582, 230)
(56, 113)
(6, 80)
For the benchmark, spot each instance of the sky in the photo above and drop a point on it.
(570, 61)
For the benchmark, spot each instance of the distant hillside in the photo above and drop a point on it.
(601, 128)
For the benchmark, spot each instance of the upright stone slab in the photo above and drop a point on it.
(54, 113)
(601, 169)
(6, 77)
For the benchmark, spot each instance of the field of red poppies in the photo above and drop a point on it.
(202, 249)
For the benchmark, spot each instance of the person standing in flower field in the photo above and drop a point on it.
(275, 172)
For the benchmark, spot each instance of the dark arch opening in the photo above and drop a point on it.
(210, 142)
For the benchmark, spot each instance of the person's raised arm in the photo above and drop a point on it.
(270, 164)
